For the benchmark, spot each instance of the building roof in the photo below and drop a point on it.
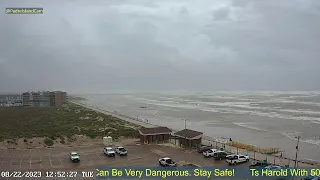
(189, 134)
(154, 131)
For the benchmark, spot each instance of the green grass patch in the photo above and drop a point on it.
(48, 141)
(54, 123)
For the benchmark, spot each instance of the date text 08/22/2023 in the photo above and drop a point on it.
(47, 174)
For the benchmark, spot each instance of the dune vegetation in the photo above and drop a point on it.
(64, 122)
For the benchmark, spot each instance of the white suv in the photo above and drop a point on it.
(74, 157)
(209, 153)
(236, 159)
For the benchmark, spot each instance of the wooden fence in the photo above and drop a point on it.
(276, 159)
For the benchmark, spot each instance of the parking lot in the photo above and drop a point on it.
(57, 159)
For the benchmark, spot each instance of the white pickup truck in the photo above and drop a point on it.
(209, 153)
(236, 159)
(109, 151)
(121, 151)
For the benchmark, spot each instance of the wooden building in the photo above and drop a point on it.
(154, 135)
(188, 138)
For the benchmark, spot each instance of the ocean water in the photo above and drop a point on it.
(265, 119)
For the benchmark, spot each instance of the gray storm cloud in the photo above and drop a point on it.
(146, 45)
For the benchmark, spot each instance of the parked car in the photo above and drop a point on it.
(209, 153)
(231, 155)
(236, 159)
(109, 151)
(311, 178)
(203, 149)
(260, 164)
(272, 167)
(167, 162)
(121, 151)
(219, 155)
(74, 157)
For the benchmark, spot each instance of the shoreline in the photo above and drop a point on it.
(207, 140)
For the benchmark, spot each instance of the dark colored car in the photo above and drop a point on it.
(219, 155)
(167, 162)
(204, 149)
(311, 178)
(260, 164)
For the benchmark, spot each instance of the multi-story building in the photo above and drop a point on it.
(64, 97)
(35, 99)
(44, 99)
(10, 98)
(26, 99)
(56, 98)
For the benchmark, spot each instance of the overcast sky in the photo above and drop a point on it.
(148, 45)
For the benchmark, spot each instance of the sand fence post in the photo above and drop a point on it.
(289, 161)
(254, 156)
(267, 158)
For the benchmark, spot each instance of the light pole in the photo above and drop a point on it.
(185, 123)
(297, 149)
(185, 128)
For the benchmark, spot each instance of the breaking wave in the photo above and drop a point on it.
(238, 108)
(247, 125)
(293, 135)
(288, 134)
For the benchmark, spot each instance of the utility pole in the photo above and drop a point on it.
(185, 127)
(297, 149)
(295, 162)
